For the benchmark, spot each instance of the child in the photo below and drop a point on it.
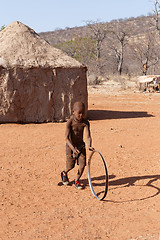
(75, 146)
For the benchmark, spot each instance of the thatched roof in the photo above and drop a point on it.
(21, 46)
(149, 79)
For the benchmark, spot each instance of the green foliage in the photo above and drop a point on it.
(3, 27)
(82, 49)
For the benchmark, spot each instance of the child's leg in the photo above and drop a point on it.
(82, 164)
(70, 161)
(80, 172)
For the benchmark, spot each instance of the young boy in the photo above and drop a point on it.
(75, 146)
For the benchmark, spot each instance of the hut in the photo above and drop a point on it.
(38, 83)
(149, 83)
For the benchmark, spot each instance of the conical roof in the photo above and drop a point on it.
(21, 46)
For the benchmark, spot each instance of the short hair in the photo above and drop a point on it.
(79, 105)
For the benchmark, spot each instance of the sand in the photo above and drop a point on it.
(34, 204)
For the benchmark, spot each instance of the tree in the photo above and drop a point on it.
(98, 32)
(146, 51)
(3, 27)
(82, 49)
(119, 37)
(156, 15)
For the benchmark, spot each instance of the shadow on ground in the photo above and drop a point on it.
(122, 183)
(105, 114)
(129, 182)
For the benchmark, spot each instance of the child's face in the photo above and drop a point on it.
(78, 114)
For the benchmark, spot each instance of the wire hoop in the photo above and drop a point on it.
(106, 175)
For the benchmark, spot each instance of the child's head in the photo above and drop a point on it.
(78, 110)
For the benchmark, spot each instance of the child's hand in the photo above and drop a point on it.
(75, 152)
(91, 149)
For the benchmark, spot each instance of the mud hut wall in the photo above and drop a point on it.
(41, 94)
(71, 86)
(25, 95)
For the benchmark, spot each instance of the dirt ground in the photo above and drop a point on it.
(34, 205)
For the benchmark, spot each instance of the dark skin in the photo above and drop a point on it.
(78, 114)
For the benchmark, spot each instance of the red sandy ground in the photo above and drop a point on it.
(33, 205)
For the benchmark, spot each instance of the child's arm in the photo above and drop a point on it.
(67, 133)
(88, 137)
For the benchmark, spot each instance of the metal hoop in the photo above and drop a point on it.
(106, 175)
